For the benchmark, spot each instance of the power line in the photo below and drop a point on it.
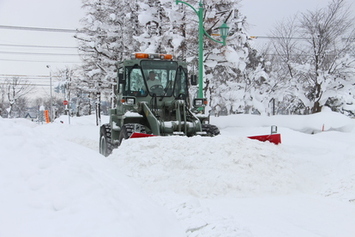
(23, 77)
(296, 38)
(31, 77)
(19, 75)
(37, 61)
(276, 37)
(41, 85)
(39, 46)
(55, 54)
(37, 29)
(27, 78)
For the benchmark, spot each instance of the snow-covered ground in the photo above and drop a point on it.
(53, 182)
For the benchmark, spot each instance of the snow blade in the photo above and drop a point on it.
(274, 138)
(138, 135)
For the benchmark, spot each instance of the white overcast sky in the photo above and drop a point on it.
(261, 16)
(63, 14)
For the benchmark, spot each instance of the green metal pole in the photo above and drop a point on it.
(201, 34)
(200, 50)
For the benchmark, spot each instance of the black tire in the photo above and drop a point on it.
(211, 130)
(106, 145)
(128, 129)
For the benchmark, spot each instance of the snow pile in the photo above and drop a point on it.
(50, 187)
(324, 121)
(206, 167)
(53, 182)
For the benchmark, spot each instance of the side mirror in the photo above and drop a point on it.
(193, 80)
(120, 78)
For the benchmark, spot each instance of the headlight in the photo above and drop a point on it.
(130, 101)
(199, 102)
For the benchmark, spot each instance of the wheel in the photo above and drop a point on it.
(211, 130)
(130, 128)
(106, 145)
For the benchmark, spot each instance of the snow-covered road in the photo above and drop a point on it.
(54, 183)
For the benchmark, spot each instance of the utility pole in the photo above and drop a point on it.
(50, 92)
(67, 93)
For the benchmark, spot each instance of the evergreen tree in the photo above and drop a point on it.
(113, 29)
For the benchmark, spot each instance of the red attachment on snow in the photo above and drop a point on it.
(138, 135)
(274, 138)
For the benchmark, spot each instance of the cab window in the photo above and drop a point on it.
(135, 84)
(180, 89)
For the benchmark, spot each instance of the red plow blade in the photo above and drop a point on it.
(139, 135)
(274, 138)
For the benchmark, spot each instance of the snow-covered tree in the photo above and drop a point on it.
(236, 81)
(13, 99)
(316, 60)
(113, 29)
(326, 30)
(100, 40)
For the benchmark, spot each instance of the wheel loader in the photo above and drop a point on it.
(153, 100)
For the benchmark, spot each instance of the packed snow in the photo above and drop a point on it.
(53, 182)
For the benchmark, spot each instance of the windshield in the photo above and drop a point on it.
(162, 77)
(159, 76)
(156, 78)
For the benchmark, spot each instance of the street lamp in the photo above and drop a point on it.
(224, 29)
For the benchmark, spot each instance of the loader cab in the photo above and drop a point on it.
(153, 75)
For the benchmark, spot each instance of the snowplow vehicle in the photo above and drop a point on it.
(153, 100)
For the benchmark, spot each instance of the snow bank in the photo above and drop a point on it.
(51, 187)
(53, 182)
(314, 123)
(206, 167)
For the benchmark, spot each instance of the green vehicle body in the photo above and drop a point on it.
(161, 110)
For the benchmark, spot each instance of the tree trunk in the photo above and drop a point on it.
(316, 107)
